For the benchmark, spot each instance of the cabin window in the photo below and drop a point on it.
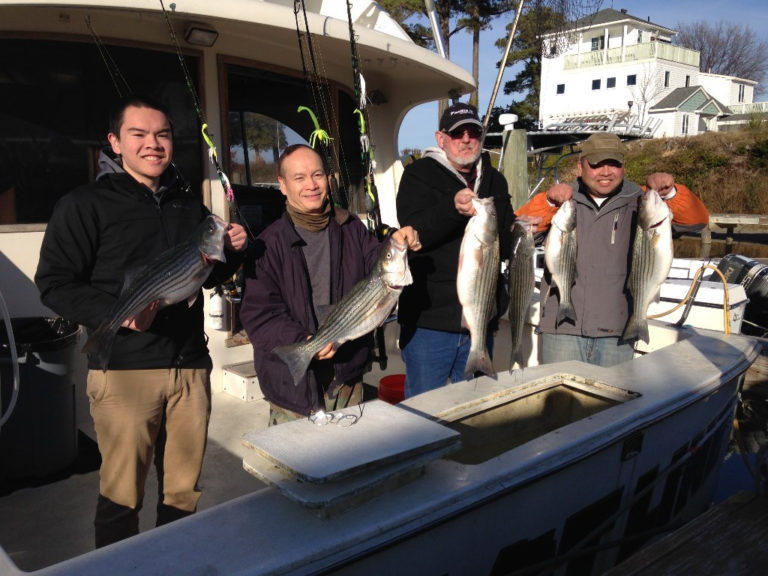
(631, 79)
(561, 88)
(598, 43)
(687, 80)
(741, 93)
(610, 82)
(666, 79)
(684, 127)
(55, 102)
(639, 36)
(262, 119)
(596, 84)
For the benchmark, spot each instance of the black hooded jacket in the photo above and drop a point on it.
(105, 229)
(425, 200)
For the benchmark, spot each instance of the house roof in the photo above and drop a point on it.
(690, 99)
(731, 78)
(611, 16)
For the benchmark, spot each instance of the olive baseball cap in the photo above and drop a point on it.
(603, 146)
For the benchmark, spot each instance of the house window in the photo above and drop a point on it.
(687, 80)
(666, 79)
(684, 128)
(741, 92)
(639, 36)
(610, 82)
(598, 43)
(596, 84)
(561, 88)
(631, 79)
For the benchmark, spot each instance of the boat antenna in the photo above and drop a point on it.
(366, 149)
(212, 154)
(327, 152)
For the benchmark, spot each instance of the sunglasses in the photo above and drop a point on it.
(473, 131)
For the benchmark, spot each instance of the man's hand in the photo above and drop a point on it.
(463, 202)
(143, 320)
(328, 352)
(661, 182)
(532, 223)
(559, 193)
(408, 236)
(236, 237)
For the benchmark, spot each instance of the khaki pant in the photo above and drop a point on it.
(138, 412)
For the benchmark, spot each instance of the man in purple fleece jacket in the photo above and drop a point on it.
(308, 259)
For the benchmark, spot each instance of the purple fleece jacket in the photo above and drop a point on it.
(277, 305)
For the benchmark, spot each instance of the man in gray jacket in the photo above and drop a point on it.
(606, 207)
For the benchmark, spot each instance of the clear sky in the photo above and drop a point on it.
(419, 126)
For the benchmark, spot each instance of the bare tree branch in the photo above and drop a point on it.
(726, 48)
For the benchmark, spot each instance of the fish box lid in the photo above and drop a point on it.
(382, 435)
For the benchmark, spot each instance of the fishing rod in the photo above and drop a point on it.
(212, 154)
(118, 80)
(332, 164)
(366, 151)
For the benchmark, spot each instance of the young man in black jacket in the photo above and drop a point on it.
(435, 197)
(154, 396)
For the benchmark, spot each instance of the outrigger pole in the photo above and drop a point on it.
(503, 65)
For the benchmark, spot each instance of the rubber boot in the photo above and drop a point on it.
(114, 522)
(166, 514)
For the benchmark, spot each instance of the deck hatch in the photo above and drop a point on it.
(504, 422)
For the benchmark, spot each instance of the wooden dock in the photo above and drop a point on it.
(730, 539)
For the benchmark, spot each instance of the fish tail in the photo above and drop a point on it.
(565, 310)
(636, 328)
(297, 357)
(478, 361)
(515, 357)
(99, 345)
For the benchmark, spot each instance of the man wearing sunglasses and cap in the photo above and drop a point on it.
(606, 206)
(435, 197)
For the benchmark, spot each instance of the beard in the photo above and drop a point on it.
(465, 158)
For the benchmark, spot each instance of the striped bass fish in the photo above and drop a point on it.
(173, 276)
(522, 282)
(363, 309)
(560, 257)
(652, 253)
(476, 282)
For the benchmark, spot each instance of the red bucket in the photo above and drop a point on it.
(392, 388)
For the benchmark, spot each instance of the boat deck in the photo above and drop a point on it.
(51, 520)
(48, 520)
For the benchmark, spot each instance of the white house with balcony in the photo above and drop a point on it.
(612, 69)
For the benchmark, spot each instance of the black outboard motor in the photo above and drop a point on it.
(753, 275)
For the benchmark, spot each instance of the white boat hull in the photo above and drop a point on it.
(579, 491)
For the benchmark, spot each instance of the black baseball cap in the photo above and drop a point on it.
(458, 115)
